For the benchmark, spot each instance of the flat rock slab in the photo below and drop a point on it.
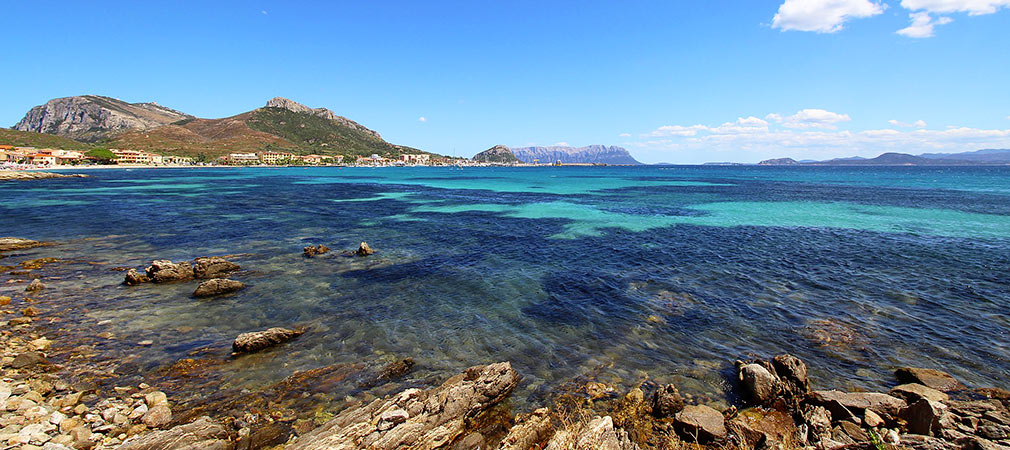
(12, 243)
(414, 418)
(213, 267)
(259, 340)
(941, 381)
(202, 434)
(218, 286)
(914, 392)
(844, 404)
(701, 423)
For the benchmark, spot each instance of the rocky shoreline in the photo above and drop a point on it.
(48, 405)
(19, 175)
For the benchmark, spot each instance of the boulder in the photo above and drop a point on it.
(933, 378)
(843, 405)
(872, 419)
(163, 271)
(157, 416)
(759, 385)
(35, 286)
(818, 421)
(435, 417)
(213, 267)
(218, 286)
(761, 428)
(311, 251)
(701, 424)
(364, 250)
(255, 341)
(667, 402)
(528, 431)
(923, 417)
(793, 372)
(914, 392)
(134, 278)
(202, 434)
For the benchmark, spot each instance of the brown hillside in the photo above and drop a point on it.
(212, 137)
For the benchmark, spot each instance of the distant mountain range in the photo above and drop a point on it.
(280, 125)
(593, 154)
(974, 158)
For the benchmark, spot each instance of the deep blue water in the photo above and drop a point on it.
(672, 272)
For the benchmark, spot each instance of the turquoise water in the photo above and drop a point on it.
(669, 273)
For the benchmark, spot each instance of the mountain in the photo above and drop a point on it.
(778, 162)
(593, 154)
(39, 140)
(498, 154)
(280, 125)
(989, 155)
(90, 118)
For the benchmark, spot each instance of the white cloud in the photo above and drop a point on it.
(822, 16)
(972, 7)
(810, 118)
(677, 130)
(561, 144)
(422, 119)
(625, 135)
(922, 25)
(263, 11)
(916, 124)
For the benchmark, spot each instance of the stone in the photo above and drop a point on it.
(914, 392)
(667, 402)
(30, 311)
(764, 428)
(392, 418)
(364, 250)
(134, 278)
(28, 359)
(156, 398)
(163, 271)
(312, 251)
(598, 434)
(872, 419)
(529, 430)
(932, 378)
(472, 441)
(390, 372)
(218, 286)
(259, 340)
(157, 416)
(11, 243)
(854, 431)
(701, 424)
(202, 434)
(213, 267)
(40, 345)
(35, 286)
(793, 372)
(817, 419)
(923, 417)
(4, 300)
(847, 404)
(437, 416)
(759, 385)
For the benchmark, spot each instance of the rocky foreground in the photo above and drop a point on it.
(43, 405)
(18, 175)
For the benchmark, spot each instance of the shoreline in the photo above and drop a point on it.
(775, 404)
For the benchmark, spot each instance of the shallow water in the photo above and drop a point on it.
(667, 272)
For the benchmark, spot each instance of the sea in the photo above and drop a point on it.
(622, 275)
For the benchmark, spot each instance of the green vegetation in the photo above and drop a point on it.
(39, 140)
(314, 134)
(101, 154)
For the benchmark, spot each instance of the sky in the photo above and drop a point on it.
(671, 81)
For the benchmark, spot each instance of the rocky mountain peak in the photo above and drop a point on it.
(93, 117)
(293, 106)
(496, 154)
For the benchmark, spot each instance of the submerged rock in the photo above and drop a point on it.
(163, 270)
(311, 251)
(202, 434)
(364, 250)
(134, 278)
(28, 359)
(932, 378)
(416, 418)
(667, 402)
(12, 243)
(213, 267)
(218, 286)
(35, 286)
(259, 340)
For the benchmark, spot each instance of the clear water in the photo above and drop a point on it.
(670, 273)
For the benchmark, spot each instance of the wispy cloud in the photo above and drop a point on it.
(561, 144)
(822, 16)
(916, 124)
(922, 25)
(625, 135)
(972, 7)
(422, 119)
(810, 118)
(263, 11)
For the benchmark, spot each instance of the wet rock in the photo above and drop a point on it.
(793, 372)
(163, 271)
(844, 405)
(28, 359)
(436, 417)
(255, 341)
(667, 402)
(35, 286)
(759, 385)
(761, 428)
(218, 286)
(4, 300)
(312, 251)
(528, 431)
(923, 417)
(155, 398)
(702, 424)
(202, 434)
(30, 311)
(390, 372)
(914, 392)
(364, 250)
(11, 243)
(932, 378)
(157, 416)
(213, 267)
(134, 278)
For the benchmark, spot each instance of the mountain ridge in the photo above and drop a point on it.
(591, 154)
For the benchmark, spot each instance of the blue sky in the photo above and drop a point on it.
(674, 81)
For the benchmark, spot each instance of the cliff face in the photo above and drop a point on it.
(291, 105)
(499, 154)
(593, 154)
(92, 117)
